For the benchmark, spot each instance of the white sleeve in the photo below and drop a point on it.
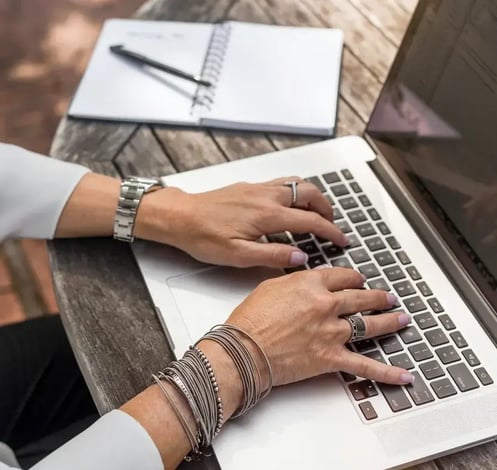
(115, 442)
(33, 192)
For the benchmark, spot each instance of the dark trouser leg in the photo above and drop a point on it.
(41, 388)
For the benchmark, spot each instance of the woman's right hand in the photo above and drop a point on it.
(297, 320)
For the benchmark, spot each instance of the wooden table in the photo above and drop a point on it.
(104, 304)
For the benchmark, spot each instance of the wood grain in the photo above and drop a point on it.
(105, 306)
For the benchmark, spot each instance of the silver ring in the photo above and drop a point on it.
(293, 186)
(358, 328)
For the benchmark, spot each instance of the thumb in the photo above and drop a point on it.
(276, 255)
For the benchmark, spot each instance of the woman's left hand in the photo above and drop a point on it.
(224, 226)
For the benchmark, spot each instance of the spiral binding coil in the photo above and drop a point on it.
(213, 64)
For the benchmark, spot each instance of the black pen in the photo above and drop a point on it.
(119, 49)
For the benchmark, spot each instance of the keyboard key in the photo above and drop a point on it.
(471, 358)
(447, 322)
(299, 237)
(357, 216)
(413, 272)
(364, 200)
(373, 213)
(363, 389)
(383, 228)
(315, 261)
(367, 410)
(404, 288)
(348, 203)
(394, 273)
(365, 230)
(483, 376)
(462, 377)
(332, 177)
(341, 263)
(447, 354)
(379, 284)
(403, 258)
(443, 388)
(355, 187)
(435, 305)
(384, 258)
(317, 182)
(339, 190)
(390, 344)
(309, 247)
(369, 270)
(431, 369)
(414, 304)
(354, 241)
(337, 213)
(332, 251)
(420, 352)
(436, 337)
(395, 397)
(376, 355)
(401, 360)
(359, 256)
(294, 269)
(347, 174)
(458, 338)
(409, 335)
(364, 345)
(343, 226)
(347, 377)
(394, 244)
(278, 238)
(418, 390)
(375, 244)
(425, 320)
(424, 289)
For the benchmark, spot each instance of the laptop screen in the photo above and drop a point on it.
(436, 123)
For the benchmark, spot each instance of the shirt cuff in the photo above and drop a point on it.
(115, 442)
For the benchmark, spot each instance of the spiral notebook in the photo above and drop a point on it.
(265, 78)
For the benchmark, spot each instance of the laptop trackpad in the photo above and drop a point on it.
(206, 298)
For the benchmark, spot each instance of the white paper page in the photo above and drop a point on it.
(279, 78)
(116, 88)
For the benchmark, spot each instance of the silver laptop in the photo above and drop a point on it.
(408, 195)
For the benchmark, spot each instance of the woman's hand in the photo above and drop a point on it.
(223, 226)
(297, 319)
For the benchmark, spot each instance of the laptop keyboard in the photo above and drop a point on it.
(431, 348)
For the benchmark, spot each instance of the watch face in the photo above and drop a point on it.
(139, 179)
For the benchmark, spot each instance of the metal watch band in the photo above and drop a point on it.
(132, 190)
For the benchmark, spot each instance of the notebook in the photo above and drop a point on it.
(265, 78)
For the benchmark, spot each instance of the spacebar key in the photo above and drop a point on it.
(395, 397)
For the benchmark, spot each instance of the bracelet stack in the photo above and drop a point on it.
(193, 377)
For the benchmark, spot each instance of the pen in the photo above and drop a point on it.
(119, 49)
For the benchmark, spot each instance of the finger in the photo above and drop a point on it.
(353, 301)
(300, 221)
(285, 179)
(275, 255)
(378, 325)
(309, 197)
(337, 279)
(363, 366)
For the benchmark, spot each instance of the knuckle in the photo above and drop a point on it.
(365, 369)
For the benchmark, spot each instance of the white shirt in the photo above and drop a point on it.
(33, 193)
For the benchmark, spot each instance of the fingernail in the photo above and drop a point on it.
(297, 258)
(407, 378)
(323, 266)
(391, 300)
(364, 278)
(404, 319)
(345, 240)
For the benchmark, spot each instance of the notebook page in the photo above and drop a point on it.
(116, 88)
(279, 78)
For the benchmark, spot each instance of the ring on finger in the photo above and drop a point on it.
(293, 186)
(357, 328)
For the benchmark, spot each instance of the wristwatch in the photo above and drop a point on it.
(132, 190)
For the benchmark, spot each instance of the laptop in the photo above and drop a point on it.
(412, 194)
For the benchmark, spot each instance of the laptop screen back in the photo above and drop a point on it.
(436, 123)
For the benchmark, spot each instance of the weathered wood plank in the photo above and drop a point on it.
(387, 16)
(143, 156)
(235, 145)
(483, 457)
